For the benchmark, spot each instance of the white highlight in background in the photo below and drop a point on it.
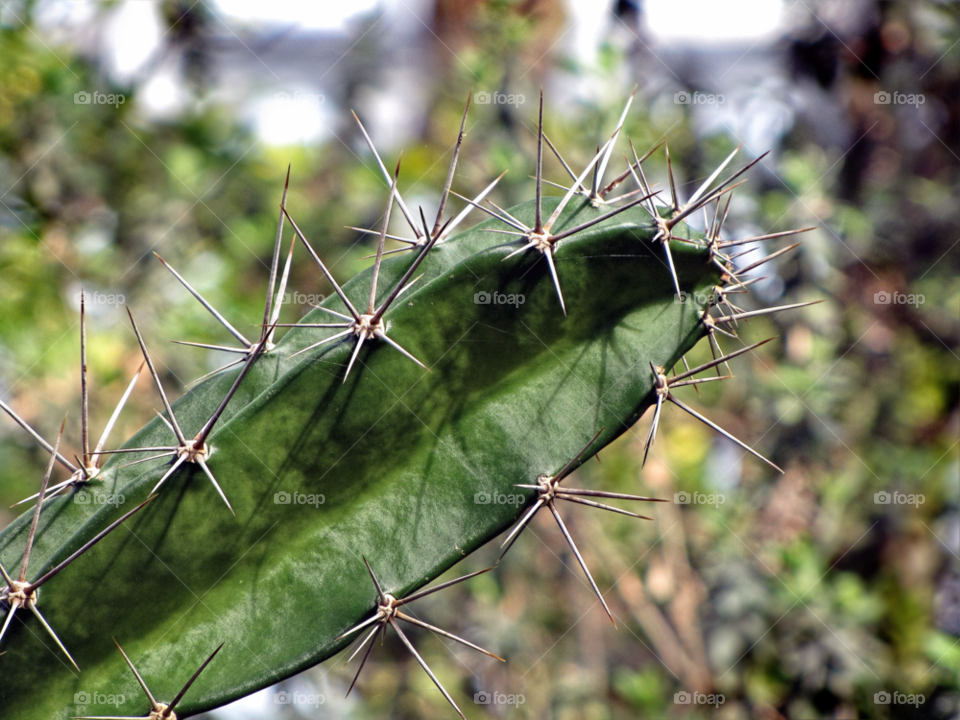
(133, 33)
(281, 122)
(712, 21)
(313, 15)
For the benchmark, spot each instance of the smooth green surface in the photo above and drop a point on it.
(398, 453)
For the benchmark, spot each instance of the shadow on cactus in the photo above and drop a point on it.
(394, 409)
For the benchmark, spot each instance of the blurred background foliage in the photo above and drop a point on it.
(798, 596)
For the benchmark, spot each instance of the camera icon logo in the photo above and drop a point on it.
(82, 498)
(282, 698)
(681, 498)
(882, 297)
(481, 98)
(81, 698)
(681, 297)
(82, 98)
(281, 498)
(482, 698)
(882, 498)
(482, 498)
(882, 698)
(682, 698)
(682, 98)
(881, 98)
(481, 298)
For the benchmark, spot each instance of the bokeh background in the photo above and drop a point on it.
(798, 596)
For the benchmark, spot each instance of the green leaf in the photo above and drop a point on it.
(398, 454)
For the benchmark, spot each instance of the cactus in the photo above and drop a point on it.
(396, 404)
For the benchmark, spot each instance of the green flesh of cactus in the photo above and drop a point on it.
(398, 454)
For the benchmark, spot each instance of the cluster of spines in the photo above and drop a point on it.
(369, 325)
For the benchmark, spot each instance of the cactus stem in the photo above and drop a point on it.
(388, 613)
